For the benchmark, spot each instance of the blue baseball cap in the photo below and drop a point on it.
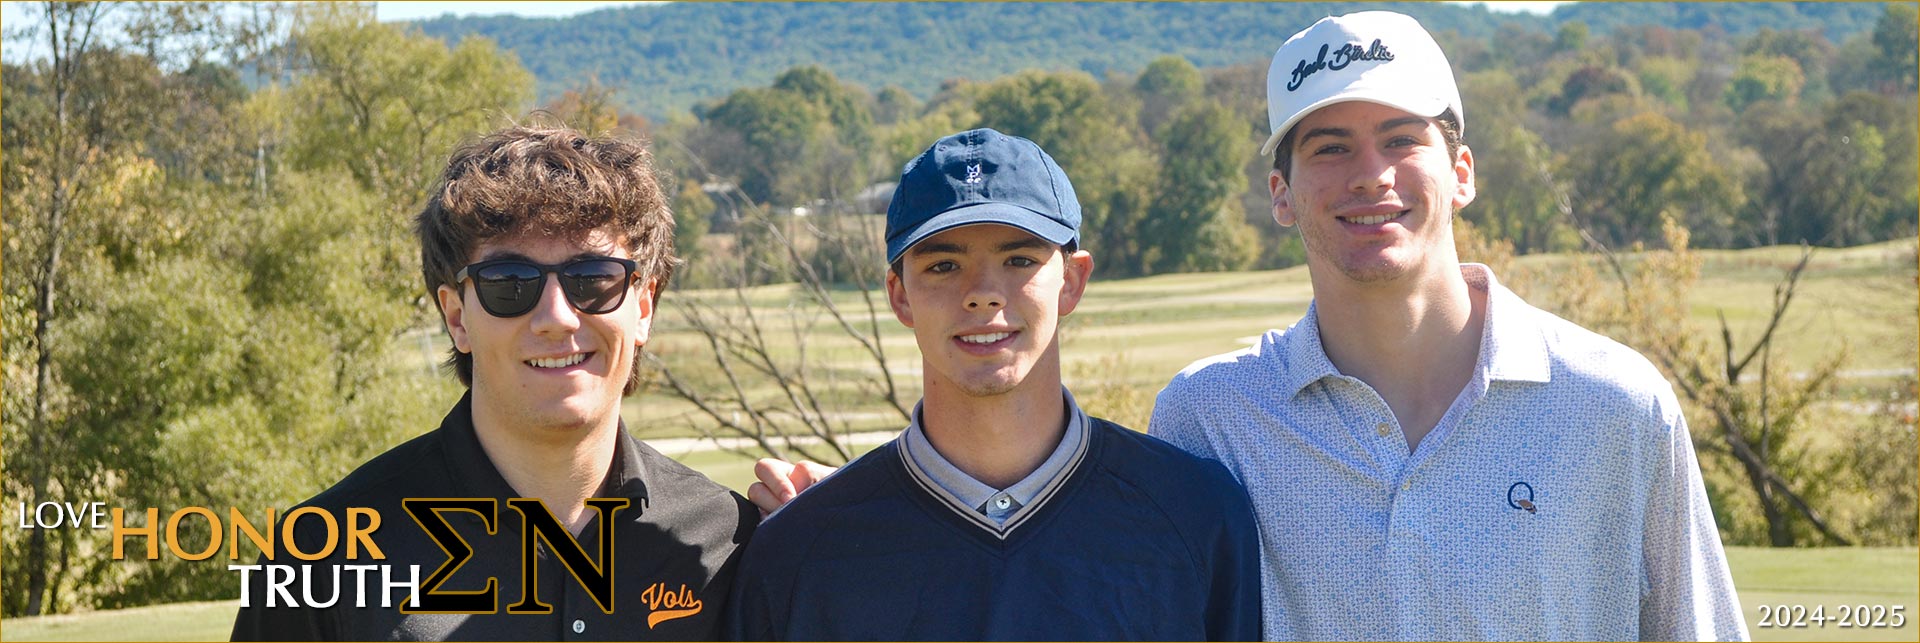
(981, 176)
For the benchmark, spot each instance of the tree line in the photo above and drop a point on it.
(1780, 137)
(665, 58)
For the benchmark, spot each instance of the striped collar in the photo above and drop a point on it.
(965, 495)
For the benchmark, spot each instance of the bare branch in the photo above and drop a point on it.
(1782, 297)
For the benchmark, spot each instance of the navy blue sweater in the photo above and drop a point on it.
(1141, 542)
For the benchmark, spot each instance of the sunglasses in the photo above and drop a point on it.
(512, 287)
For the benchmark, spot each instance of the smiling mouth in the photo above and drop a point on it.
(1376, 219)
(558, 362)
(984, 338)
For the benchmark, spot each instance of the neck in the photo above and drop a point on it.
(562, 467)
(1415, 341)
(997, 439)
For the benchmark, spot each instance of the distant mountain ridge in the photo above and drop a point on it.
(664, 59)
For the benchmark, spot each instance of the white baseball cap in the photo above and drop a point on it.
(1375, 56)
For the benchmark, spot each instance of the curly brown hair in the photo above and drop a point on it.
(548, 181)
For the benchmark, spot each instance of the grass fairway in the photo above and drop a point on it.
(1830, 577)
(1805, 577)
(202, 621)
(1136, 333)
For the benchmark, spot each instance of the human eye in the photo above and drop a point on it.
(1330, 148)
(1022, 262)
(943, 267)
(1403, 140)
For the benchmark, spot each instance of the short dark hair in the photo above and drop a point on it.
(1449, 130)
(899, 266)
(550, 181)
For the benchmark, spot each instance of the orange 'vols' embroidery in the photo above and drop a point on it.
(680, 604)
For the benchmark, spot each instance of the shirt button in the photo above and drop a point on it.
(1383, 429)
(1406, 485)
(579, 626)
(1002, 502)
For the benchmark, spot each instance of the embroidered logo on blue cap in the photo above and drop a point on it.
(948, 186)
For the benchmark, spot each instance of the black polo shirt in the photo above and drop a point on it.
(676, 547)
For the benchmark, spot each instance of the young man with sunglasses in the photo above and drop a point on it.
(546, 252)
(1430, 457)
(1003, 511)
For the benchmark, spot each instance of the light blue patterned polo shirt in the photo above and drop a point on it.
(1558, 498)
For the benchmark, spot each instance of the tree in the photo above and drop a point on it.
(894, 104)
(198, 335)
(1764, 77)
(1646, 168)
(1167, 84)
(1860, 151)
(1809, 50)
(70, 32)
(1072, 118)
(804, 138)
(589, 107)
(764, 375)
(1589, 83)
(386, 104)
(691, 209)
(1894, 35)
(1750, 413)
(1572, 37)
(844, 105)
(1194, 223)
(1517, 199)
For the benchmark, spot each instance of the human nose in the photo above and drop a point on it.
(1373, 172)
(553, 314)
(985, 292)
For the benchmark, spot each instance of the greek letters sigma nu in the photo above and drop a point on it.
(678, 540)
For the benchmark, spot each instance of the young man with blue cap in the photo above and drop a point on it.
(1429, 456)
(1003, 511)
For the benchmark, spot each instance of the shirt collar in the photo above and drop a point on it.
(1303, 357)
(1511, 346)
(969, 492)
(476, 475)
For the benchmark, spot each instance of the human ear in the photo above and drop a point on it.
(645, 329)
(1282, 200)
(1463, 174)
(897, 298)
(453, 312)
(1078, 269)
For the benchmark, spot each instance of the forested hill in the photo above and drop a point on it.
(664, 58)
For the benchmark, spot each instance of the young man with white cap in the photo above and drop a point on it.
(1003, 511)
(1429, 456)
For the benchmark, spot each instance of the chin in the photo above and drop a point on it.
(1000, 382)
(1374, 269)
(576, 411)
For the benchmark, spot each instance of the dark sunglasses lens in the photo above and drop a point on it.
(595, 287)
(508, 289)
